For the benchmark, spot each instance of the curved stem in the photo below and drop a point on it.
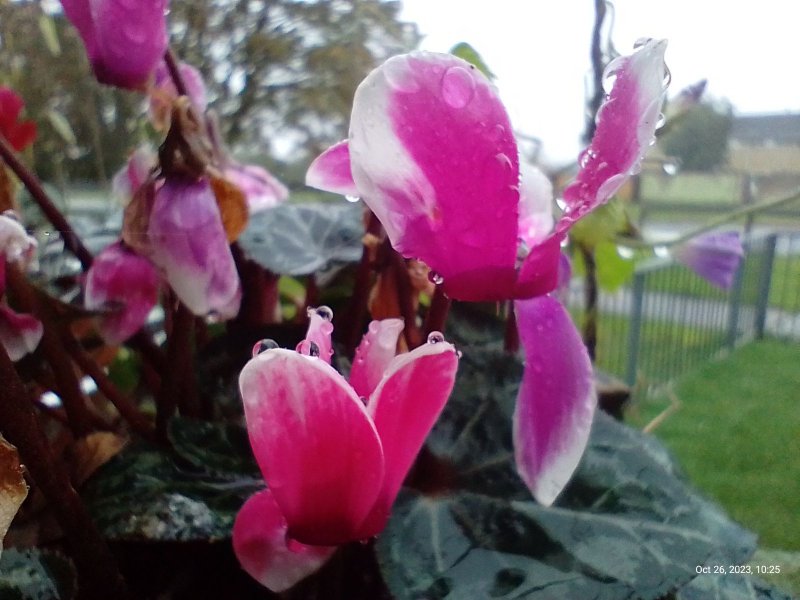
(437, 314)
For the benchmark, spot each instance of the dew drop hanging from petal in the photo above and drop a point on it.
(264, 345)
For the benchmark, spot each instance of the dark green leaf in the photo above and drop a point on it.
(300, 239)
(146, 493)
(221, 449)
(730, 587)
(35, 574)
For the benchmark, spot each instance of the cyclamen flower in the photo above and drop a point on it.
(127, 284)
(164, 93)
(20, 333)
(19, 134)
(333, 454)
(261, 189)
(432, 154)
(124, 39)
(188, 243)
(713, 256)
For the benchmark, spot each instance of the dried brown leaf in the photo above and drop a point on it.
(13, 489)
(93, 451)
(232, 205)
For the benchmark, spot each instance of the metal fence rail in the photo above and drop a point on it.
(669, 321)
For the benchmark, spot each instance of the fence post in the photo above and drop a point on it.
(764, 281)
(635, 329)
(735, 300)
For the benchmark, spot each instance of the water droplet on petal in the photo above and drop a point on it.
(458, 87)
(435, 337)
(435, 277)
(352, 198)
(264, 345)
(660, 121)
(641, 42)
(325, 312)
(308, 348)
(504, 160)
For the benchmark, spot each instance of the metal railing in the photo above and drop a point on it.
(668, 320)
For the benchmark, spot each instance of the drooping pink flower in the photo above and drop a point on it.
(134, 174)
(20, 134)
(125, 283)
(124, 39)
(432, 154)
(333, 454)
(713, 256)
(188, 243)
(20, 333)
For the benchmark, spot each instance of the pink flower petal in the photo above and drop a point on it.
(320, 328)
(539, 272)
(714, 256)
(262, 190)
(626, 124)
(330, 171)
(260, 543)
(124, 40)
(433, 155)
(119, 278)
(134, 174)
(404, 407)
(164, 91)
(556, 399)
(373, 355)
(535, 205)
(316, 446)
(15, 243)
(189, 244)
(20, 333)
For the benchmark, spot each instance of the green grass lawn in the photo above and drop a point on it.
(737, 434)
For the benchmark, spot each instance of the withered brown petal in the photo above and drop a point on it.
(232, 207)
(13, 489)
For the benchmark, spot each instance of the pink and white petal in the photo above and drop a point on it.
(433, 155)
(320, 329)
(564, 277)
(189, 244)
(556, 399)
(261, 189)
(404, 408)
(714, 256)
(15, 243)
(377, 349)
(119, 278)
(535, 205)
(626, 125)
(20, 333)
(317, 448)
(166, 91)
(260, 541)
(130, 38)
(539, 272)
(134, 174)
(330, 171)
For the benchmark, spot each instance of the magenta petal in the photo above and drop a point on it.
(79, 13)
(121, 280)
(316, 446)
(540, 269)
(189, 244)
(433, 155)
(714, 256)
(260, 544)
(626, 124)
(404, 407)
(330, 171)
(320, 329)
(373, 355)
(556, 399)
(20, 333)
(260, 188)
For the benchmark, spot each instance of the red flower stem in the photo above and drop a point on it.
(179, 353)
(357, 311)
(98, 575)
(124, 405)
(437, 314)
(71, 240)
(175, 73)
(404, 298)
(69, 389)
(511, 339)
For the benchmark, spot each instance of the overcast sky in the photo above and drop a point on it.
(539, 51)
